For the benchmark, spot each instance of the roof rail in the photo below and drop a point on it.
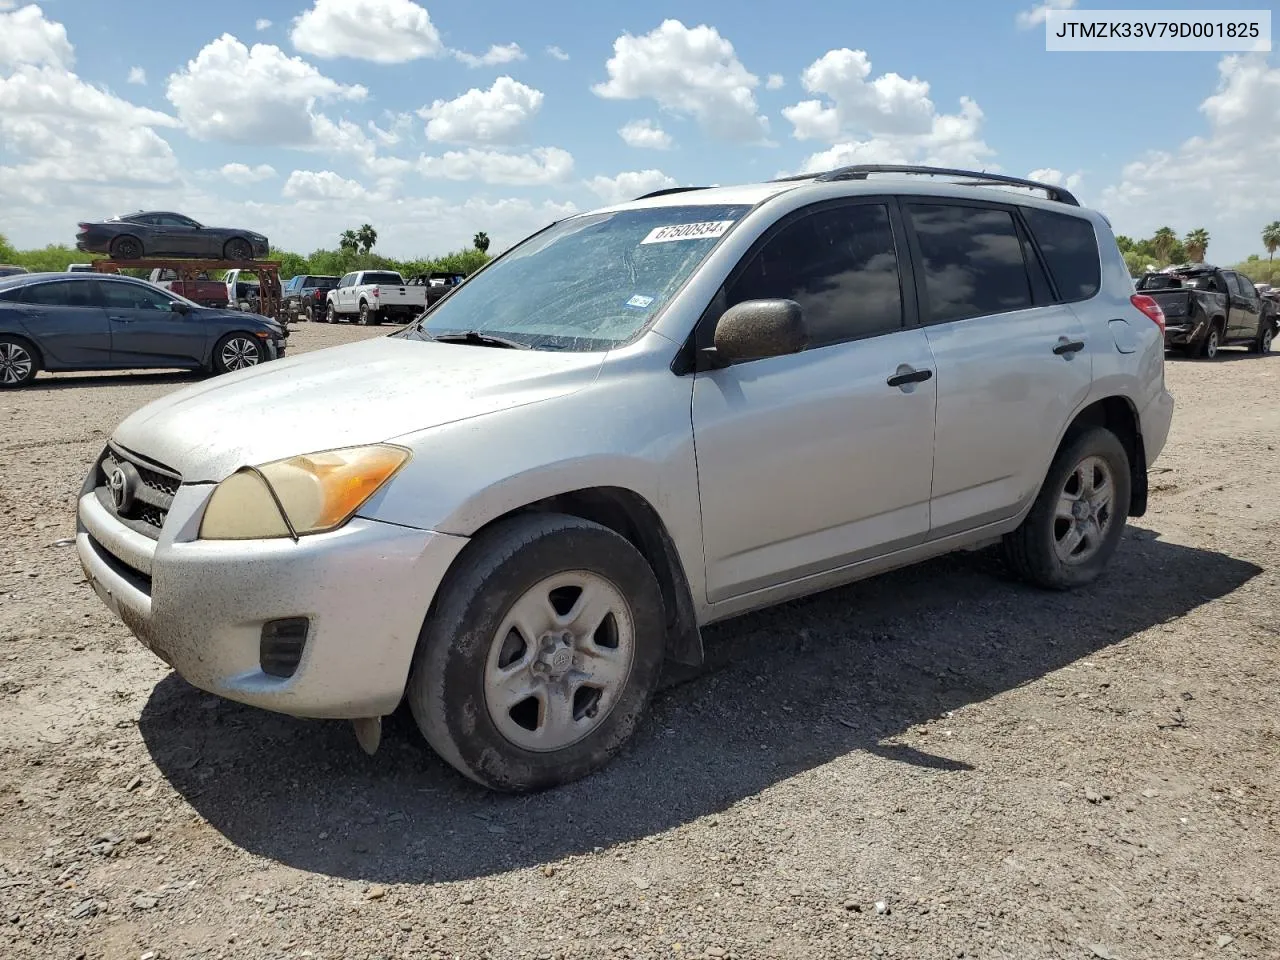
(663, 193)
(974, 178)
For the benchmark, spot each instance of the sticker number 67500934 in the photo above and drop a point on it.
(704, 230)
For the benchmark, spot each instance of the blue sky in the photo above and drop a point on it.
(322, 119)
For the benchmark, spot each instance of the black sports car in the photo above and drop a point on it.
(161, 234)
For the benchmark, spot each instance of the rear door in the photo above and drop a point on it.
(1243, 319)
(1013, 360)
(66, 323)
(145, 329)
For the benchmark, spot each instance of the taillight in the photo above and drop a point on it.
(1148, 306)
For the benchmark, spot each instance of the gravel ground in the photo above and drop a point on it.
(935, 763)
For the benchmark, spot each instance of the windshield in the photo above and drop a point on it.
(588, 283)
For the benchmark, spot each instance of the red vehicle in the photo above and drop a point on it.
(203, 289)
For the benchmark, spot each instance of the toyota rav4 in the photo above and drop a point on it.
(636, 422)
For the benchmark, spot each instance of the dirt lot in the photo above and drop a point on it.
(936, 763)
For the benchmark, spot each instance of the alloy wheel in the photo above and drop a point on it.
(239, 353)
(1084, 513)
(16, 363)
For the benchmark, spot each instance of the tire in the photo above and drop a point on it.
(1039, 550)
(367, 317)
(330, 315)
(126, 248)
(237, 248)
(19, 362)
(1212, 342)
(237, 351)
(455, 689)
(1262, 345)
(309, 315)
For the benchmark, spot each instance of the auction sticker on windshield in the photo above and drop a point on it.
(707, 229)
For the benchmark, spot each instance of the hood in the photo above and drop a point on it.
(365, 392)
(243, 316)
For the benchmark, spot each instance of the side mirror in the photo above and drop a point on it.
(755, 329)
(177, 306)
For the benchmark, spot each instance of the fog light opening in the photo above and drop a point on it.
(280, 648)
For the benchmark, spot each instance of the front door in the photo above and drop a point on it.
(146, 331)
(1244, 315)
(1012, 364)
(813, 461)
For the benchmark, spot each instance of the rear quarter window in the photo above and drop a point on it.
(1070, 249)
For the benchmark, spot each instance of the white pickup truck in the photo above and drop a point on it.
(371, 296)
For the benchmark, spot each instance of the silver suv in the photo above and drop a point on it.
(636, 422)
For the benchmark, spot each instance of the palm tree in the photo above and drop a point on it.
(1197, 242)
(481, 241)
(1163, 242)
(367, 236)
(348, 240)
(1271, 238)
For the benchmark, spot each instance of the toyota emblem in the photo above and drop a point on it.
(121, 485)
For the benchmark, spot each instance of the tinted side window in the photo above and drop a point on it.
(1071, 248)
(839, 264)
(972, 261)
(1244, 287)
(132, 296)
(61, 293)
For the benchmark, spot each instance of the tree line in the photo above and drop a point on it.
(1164, 248)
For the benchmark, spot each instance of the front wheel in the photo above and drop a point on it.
(1078, 517)
(237, 249)
(538, 661)
(236, 351)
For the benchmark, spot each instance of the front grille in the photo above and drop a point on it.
(151, 489)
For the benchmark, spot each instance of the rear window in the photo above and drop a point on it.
(1070, 249)
(375, 277)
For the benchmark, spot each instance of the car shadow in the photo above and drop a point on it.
(1230, 354)
(122, 378)
(783, 691)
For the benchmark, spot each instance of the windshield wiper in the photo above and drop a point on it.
(477, 339)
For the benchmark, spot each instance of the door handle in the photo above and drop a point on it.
(1067, 347)
(910, 376)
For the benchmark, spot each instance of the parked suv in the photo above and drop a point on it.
(636, 422)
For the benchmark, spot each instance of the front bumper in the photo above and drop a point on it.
(201, 605)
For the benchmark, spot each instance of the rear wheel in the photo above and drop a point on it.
(236, 351)
(1212, 342)
(237, 249)
(1262, 345)
(330, 315)
(367, 316)
(126, 248)
(1078, 517)
(18, 362)
(539, 658)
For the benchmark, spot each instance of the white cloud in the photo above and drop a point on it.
(1057, 177)
(690, 72)
(557, 53)
(1038, 14)
(138, 76)
(629, 185)
(775, 81)
(259, 95)
(322, 185)
(381, 31)
(1216, 180)
(496, 54)
(500, 114)
(242, 174)
(27, 37)
(889, 119)
(262, 24)
(645, 133)
(542, 165)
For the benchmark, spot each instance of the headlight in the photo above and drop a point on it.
(307, 494)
